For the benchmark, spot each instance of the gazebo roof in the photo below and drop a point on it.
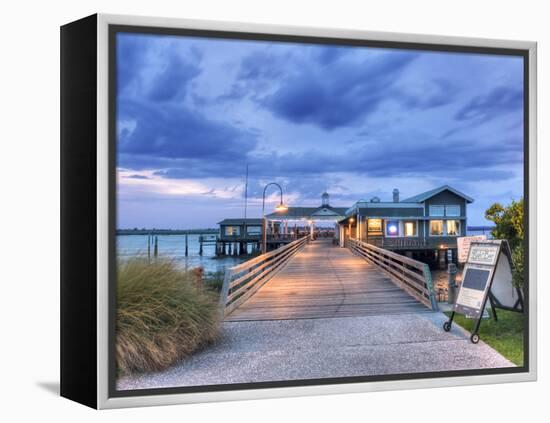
(309, 213)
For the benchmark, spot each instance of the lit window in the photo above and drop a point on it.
(410, 228)
(453, 227)
(452, 210)
(232, 230)
(436, 227)
(374, 226)
(392, 228)
(437, 210)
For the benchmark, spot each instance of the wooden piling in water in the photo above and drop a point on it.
(149, 246)
(156, 250)
(186, 245)
(200, 245)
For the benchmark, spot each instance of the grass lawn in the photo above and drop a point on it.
(504, 335)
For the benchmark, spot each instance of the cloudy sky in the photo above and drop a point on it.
(354, 121)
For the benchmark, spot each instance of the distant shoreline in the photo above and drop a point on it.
(213, 231)
(208, 231)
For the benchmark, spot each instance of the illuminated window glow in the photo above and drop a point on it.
(232, 230)
(453, 227)
(410, 228)
(392, 228)
(436, 227)
(374, 226)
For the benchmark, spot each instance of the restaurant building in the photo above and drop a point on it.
(432, 220)
(416, 226)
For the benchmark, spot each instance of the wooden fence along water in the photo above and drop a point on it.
(412, 276)
(243, 280)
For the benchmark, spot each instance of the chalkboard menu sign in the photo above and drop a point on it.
(477, 277)
(477, 280)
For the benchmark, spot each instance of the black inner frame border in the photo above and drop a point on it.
(114, 29)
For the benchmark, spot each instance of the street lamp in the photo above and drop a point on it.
(280, 207)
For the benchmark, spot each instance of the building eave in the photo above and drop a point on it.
(420, 198)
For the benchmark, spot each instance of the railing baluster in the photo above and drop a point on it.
(411, 275)
(268, 263)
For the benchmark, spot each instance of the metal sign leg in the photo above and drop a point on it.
(447, 325)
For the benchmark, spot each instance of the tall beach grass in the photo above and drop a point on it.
(163, 314)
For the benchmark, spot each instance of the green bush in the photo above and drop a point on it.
(518, 266)
(163, 315)
(509, 225)
(508, 221)
(214, 280)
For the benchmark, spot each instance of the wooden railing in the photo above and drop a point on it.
(398, 242)
(242, 281)
(413, 276)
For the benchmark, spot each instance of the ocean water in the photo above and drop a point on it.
(173, 247)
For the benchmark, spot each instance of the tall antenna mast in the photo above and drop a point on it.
(246, 191)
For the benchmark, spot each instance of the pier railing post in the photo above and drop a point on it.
(430, 287)
(225, 290)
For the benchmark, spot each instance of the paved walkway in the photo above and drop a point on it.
(259, 351)
(323, 281)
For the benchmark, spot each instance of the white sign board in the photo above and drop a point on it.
(503, 288)
(477, 277)
(487, 277)
(463, 244)
(484, 254)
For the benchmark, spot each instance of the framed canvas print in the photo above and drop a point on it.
(253, 211)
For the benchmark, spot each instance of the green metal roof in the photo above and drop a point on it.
(428, 194)
(305, 212)
(241, 221)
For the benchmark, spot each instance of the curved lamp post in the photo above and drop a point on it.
(280, 207)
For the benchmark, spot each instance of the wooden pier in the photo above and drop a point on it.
(321, 281)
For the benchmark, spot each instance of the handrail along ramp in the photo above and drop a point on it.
(242, 281)
(413, 276)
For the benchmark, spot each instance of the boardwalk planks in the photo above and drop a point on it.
(326, 281)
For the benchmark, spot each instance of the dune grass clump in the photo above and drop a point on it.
(163, 315)
(214, 280)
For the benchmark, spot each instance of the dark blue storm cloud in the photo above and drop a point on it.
(137, 53)
(137, 177)
(178, 132)
(173, 81)
(161, 127)
(499, 101)
(202, 109)
(337, 93)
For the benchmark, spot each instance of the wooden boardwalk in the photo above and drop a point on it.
(324, 281)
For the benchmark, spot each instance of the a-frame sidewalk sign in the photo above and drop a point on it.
(487, 275)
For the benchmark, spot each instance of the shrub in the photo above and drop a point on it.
(214, 280)
(509, 225)
(508, 221)
(163, 315)
(518, 266)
